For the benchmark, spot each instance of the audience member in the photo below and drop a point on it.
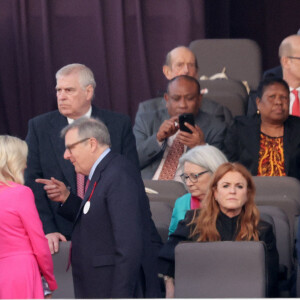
(229, 213)
(75, 90)
(157, 133)
(182, 61)
(198, 165)
(24, 251)
(268, 144)
(289, 53)
(112, 254)
(289, 70)
(277, 71)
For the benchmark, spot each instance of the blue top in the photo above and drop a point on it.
(182, 205)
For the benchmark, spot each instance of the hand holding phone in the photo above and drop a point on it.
(188, 118)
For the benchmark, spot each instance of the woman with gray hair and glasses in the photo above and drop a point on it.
(198, 166)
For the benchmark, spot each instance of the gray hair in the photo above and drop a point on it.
(205, 156)
(86, 76)
(89, 127)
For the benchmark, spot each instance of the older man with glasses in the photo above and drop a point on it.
(112, 251)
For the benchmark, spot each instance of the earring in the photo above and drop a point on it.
(258, 112)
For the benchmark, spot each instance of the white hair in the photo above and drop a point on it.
(205, 156)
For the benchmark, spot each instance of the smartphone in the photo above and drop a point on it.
(188, 118)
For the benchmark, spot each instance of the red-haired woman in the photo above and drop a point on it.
(228, 214)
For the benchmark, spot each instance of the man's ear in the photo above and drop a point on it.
(257, 100)
(167, 72)
(89, 92)
(93, 144)
(166, 97)
(284, 61)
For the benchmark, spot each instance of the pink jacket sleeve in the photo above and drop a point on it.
(33, 226)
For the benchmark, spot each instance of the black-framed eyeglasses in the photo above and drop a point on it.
(294, 57)
(192, 177)
(70, 147)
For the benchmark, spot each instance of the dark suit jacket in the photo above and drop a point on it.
(274, 72)
(112, 254)
(45, 158)
(243, 138)
(150, 152)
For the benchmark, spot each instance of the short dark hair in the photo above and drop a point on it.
(187, 78)
(269, 81)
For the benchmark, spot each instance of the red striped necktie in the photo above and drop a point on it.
(296, 105)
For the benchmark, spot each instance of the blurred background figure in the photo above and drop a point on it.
(268, 144)
(228, 213)
(198, 165)
(24, 251)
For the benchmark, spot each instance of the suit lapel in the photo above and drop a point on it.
(57, 124)
(95, 179)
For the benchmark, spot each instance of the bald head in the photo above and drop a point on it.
(180, 61)
(289, 46)
(289, 53)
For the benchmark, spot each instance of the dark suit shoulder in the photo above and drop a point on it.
(293, 121)
(106, 115)
(47, 116)
(274, 72)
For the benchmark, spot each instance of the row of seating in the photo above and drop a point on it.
(277, 199)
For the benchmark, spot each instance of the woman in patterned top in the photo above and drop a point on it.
(268, 144)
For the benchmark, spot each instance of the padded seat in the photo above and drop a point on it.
(64, 278)
(166, 190)
(220, 270)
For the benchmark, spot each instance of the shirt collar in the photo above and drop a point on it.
(87, 115)
(96, 163)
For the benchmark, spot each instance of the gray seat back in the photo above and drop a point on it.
(282, 233)
(161, 216)
(284, 186)
(220, 270)
(241, 58)
(64, 278)
(230, 93)
(164, 190)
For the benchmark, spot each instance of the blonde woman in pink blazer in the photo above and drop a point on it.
(24, 251)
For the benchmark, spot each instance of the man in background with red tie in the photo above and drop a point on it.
(159, 140)
(75, 88)
(289, 53)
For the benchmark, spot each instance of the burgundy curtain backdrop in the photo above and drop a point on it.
(124, 42)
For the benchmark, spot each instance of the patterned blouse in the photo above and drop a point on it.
(271, 156)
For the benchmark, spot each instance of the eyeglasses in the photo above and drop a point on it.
(192, 177)
(70, 147)
(294, 57)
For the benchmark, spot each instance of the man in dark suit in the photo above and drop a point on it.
(75, 91)
(156, 131)
(182, 61)
(112, 254)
